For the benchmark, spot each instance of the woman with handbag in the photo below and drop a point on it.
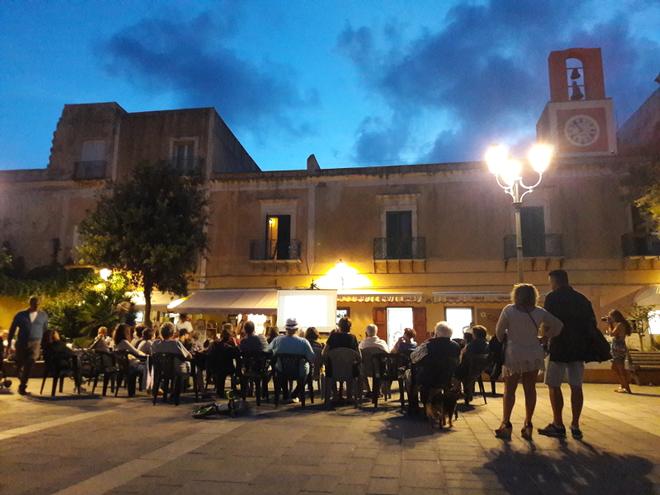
(619, 329)
(523, 354)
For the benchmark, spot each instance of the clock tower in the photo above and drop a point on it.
(579, 118)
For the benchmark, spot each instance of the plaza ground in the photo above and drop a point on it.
(92, 445)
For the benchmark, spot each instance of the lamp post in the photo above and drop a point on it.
(508, 173)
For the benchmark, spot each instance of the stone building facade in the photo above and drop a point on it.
(427, 242)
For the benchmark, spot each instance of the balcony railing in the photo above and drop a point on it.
(412, 248)
(261, 250)
(640, 245)
(89, 170)
(549, 246)
(189, 166)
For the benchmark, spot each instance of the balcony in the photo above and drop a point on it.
(413, 248)
(640, 245)
(89, 170)
(265, 251)
(189, 166)
(548, 246)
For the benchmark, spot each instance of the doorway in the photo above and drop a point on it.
(398, 319)
(459, 319)
(278, 237)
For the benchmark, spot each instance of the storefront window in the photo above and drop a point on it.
(459, 320)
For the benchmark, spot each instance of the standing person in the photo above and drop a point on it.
(523, 358)
(619, 329)
(184, 323)
(567, 351)
(31, 325)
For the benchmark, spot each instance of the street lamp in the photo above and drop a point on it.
(508, 173)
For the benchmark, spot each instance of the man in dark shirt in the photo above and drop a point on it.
(567, 351)
(252, 342)
(341, 337)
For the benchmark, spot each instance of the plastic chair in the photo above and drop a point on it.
(58, 369)
(167, 376)
(343, 366)
(287, 368)
(477, 364)
(254, 373)
(386, 369)
(105, 364)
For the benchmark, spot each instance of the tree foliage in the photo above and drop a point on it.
(153, 226)
(644, 186)
(79, 311)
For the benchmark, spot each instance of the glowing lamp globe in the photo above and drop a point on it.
(496, 158)
(540, 156)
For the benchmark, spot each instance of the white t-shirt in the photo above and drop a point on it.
(33, 315)
(185, 324)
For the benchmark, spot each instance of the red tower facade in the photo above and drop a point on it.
(579, 118)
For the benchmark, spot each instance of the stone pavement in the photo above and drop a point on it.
(92, 445)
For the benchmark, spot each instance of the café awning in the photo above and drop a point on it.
(649, 296)
(159, 300)
(229, 301)
(379, 296)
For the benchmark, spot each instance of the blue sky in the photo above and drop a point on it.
(355, 83)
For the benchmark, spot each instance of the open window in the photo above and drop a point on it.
(278, 237)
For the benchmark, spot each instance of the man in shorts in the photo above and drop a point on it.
(567, 352)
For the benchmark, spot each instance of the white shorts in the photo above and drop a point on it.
(555, 373)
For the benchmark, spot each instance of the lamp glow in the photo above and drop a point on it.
(539, 157)
(105, 273)
(511, 171)
(496, 157)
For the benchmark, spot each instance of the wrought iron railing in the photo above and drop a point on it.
(264, 250)
(388, 248)
(640, 244)
(549, 246)
(89, 170)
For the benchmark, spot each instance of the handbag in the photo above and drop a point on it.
(598, 348)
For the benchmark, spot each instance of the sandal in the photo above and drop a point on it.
(504, 432)
(526, 431)
(576, 432)
(553, 430)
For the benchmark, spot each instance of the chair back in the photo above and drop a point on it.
(255, 364)
(289, 365)
(318, 362)
(477, 364)
(368, 356)
(165, 365)
(385, 366)
(87, 363)
(343, 363)
(105, 361)
(122, 361)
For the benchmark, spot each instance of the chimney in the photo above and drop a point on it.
(312, 163)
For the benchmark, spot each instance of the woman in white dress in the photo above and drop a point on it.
(523, 356)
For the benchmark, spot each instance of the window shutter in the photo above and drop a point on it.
(380, 320)
(419, 324)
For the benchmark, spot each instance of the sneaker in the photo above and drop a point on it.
(576, 432)
(553, 430)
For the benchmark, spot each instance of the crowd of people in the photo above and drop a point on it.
(527, 340)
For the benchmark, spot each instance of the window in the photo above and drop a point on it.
(575, 79)
(398, 233)
(459, 319)
(278, 237)
(183, 154)
(533, 230)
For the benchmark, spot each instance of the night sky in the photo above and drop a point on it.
(356, 83)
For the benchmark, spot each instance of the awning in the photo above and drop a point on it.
(379, 296)
(159, 300)
(229, 300)
(649, 296)
(469, 297)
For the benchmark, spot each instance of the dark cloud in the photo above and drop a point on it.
(486, 69)
(190, 58)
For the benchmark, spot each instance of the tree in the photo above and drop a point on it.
(643, 185)
(152, 226)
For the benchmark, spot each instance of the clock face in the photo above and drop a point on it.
(581, 130)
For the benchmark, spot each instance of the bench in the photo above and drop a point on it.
(641, 362)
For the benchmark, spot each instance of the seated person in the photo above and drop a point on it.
(312, 336)
(478, 346)
(137, 338)
(147, 341)
(135, 357)
(168, 345)
(372, 341)
(342, 337)
(406, 343)
(56, 353)
(434, 361)
(102, 342)
(222, 359)
(251, 342)
(292, 344)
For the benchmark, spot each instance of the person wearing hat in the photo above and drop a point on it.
(292, 344)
